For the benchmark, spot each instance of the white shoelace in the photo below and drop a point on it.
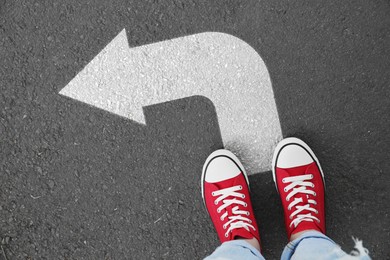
(297, 185)
(236, 220)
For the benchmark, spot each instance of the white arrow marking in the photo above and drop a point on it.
(218, 66)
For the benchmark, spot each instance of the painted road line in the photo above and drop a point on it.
(219, 66)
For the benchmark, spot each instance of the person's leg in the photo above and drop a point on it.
(315, 245)
(225, 192)
(235, 249)
(300, 182)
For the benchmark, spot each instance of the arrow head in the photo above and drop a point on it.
(100, 82)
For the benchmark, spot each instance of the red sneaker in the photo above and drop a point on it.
(300, 182)
(225, 192)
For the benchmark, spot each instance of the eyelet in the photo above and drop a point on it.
(247, 213)
(312, 185)
(213, 193)
(245, 205)
(221, 218)
(240, 187)
(215, 202)
(288, 208)
(250, 221)
(285, 189)
(224, 226)
(311, 176)
(315, 194)
(243, 196)
(316, 211)
(287, 199)
(283, 180)
(290, 217)
(218, 211)
(226, 235)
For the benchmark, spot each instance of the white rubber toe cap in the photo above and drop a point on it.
(220, 169)
(222, 165)
(293, 154)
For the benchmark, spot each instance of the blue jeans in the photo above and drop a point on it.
(312, 245)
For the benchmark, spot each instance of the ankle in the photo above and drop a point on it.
(253, 242)
(300, 234)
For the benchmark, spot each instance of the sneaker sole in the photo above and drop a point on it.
(224, 153)
(288, 141)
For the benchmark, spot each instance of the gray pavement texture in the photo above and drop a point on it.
(80, 183)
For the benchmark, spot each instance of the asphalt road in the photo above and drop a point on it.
(77, 182)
